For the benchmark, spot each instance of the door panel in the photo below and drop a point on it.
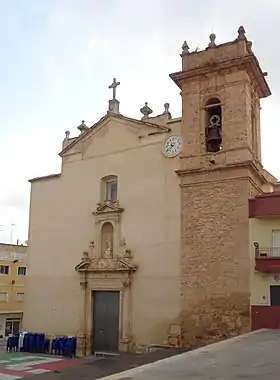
(265, 317)
(106, 321)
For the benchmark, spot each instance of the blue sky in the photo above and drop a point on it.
(59, 56)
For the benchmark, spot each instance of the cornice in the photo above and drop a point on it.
(248, 62)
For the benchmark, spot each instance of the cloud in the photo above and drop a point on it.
(57, 69)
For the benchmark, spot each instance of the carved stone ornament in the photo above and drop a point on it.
(107, 207)
(127, 254)
(185, 48)
(116, 264)
(212, 39)
(241, 34)
(83, 127)
(85, 256)
(146, 111)
(67, 135)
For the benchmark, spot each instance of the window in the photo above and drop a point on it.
(109, 188)
(3, 296)
(274, 295)
(20, 297)
(4, 269)
(276, 238)
(22, 271)
(276, 242)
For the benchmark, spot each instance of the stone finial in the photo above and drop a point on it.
(185, 48)
(241, 34)
(146, 111)
(166, 110)
(83, 128)
(67, 135)
(249, 46)
(212, 42)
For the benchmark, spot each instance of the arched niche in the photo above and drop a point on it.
(107, 240)
(213, 125)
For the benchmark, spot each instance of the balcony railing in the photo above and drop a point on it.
(266, 253)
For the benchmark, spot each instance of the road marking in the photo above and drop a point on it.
(38, 371)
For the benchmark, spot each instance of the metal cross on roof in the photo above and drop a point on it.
(114, 85)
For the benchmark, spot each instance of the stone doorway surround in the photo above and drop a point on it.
(109, 270)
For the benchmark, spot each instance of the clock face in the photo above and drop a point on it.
(172, 146)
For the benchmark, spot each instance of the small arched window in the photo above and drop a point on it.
(213, 128)
(109, 188)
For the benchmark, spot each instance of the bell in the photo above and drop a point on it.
(214, 138)
(214, 134)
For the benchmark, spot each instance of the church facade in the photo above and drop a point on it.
(143, 237)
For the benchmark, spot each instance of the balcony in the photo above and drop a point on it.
(267, 260)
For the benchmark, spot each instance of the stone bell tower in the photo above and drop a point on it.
(221, 88)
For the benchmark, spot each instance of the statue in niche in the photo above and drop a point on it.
(107, 238)
(109, 250)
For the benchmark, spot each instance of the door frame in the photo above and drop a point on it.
(125, 307)
(12, 321)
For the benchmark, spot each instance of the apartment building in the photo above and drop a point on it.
(264, 213)
(12, 287)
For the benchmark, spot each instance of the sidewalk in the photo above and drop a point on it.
(252, 356)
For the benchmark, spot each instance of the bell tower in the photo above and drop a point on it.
(221, 88)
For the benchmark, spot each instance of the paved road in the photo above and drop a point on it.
(16, 365)
(97, 367)
(253, 356)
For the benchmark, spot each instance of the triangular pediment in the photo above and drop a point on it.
(116, 264)
(108, 207)
(83, 265)
(138, 128)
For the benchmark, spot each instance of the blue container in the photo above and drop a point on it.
(12, 343)
(38, 343)
(46, 346)
(70, 347)
(54, 347)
